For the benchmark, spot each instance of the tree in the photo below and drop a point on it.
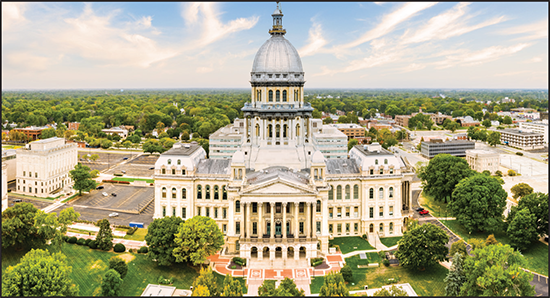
(267, 289)
(18, 229)
(94, 173)
(352, 143)
(393, 291)
(327, 120)
(520, 190)
(455, 278)
(347, 273)
(48, 133)
(522, 230)
(491, 240)
(39, 273)
(478, 115)
(104, 237)
(51, 227)
(152, 145)
(334, 285)
(201, 291)
(478, 203)
(160, 239)
(196, 239)
(119, 265)
(493, 138)
(494, 270)
(94, 157)
(476, 243)
(507, 120)
(288, 286)
(481, 135)
(458, 247)
(486, 123)
(537, 203)
(231, 287)
(207, 279)
(442, 174)
(422, 246)
(110, 286)
(106, 144)
(82, 179)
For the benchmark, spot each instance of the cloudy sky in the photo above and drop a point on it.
(342, 45)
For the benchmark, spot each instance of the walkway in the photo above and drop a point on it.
(128, 243)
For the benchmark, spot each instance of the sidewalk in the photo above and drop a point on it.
(128, 243)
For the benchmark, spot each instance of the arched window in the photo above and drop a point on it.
(284, 95)
(277, 130)
(285, 128)
(339, 192)
(356, 192)
(381, 193)
(371, 193)
(179, 162)
(278, 96)
(318, 208)
(199, 192)
(184, 193)
(385, 161)
(164, 192)
(297, 130)
(347, 192)
(259, 95)
(257, 130)
(391, 192)
(381, 227)
(270, 96)
(237, 206)
(169, 161)
(376, 161)
(270, 130)
(391, 227)
(207, 192)
(224, 196)
(173, 193)
(216, 195)
(331, 193)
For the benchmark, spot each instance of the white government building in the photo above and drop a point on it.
(272, 190)
(43, 167)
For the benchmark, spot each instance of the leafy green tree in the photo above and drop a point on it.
(352, 143)
(51, 227)
(152, 146)
(456, 277)
(207, 279)
(347, 273)
(94, 173)
(507, 120)
(453, 126)
(494, 270)
(18, 229)
(334, 285)
(82, 179)
(201, 291)
(267, 289)
(537, 203)
(327, 120)
(493, 138)
(110, 286)
(119, 265)
(520, 190)
(104, 237)
(522, 230)
(486, 123)
(478, 115)
(393, 291)
(48, 133)
(196, 239)
(94, 157)
(39, 273)
(106, 144)
(316, 114)
(231, 287)
(491, 240)
(163, 135)
(160, 239)
(476, 243)
(458, 247)
(478, 203)
(288, 286)
(442, 174)
(481, 135)
(422, 246)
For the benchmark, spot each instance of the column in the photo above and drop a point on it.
(260, 220)
(284, 222)
(296, 231)
(308, 220)
(274, 134)
(231, 216)
(247, 220)
(313, 223)
(272, 228)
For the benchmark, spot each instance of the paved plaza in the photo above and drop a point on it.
(128, 198)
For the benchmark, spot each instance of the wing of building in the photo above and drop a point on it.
(279, 183)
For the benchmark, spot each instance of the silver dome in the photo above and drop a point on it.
(277, 56)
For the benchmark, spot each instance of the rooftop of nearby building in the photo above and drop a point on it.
(214, 166)
(347, 125)
(270, 173)
(481, 152)
(373, 149)
(520, 132)
(48, 140)
(449, 142)
(342, 166)
(183, 149)
(158, 290)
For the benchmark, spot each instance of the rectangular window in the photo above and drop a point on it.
(347, 211)
(371, 172)
(173, 211)
(391, 171)
(254, 228)
(215, 212)
(371, 212)
(356, 227)
(183, 172)
(318, 227)
(199, 211)
(330, 212)
(238, 228)
(184, 212)
(391, 210)
(224, 212)
(207, 211)
(339, 228)
(254, 207)
(163, 211)
(339, 214)
(301, 227)
(381, 211)
(173, 171)
(347, 228)
(302, 204)
(24, 173)
(356, 212)
(224, 228)
(330, 228)
(381, 171)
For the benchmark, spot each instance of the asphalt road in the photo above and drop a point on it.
(129, 198)
(146, 217)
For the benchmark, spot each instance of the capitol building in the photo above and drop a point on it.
(279, 183)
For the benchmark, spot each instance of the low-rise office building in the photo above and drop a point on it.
(331, 142)
(224, 142)
(121, 132)
(32, 132)
(9, 158)
(522, 139)
(453, 147)
(481, 160)
(350, 129)
(402, 120)
(537, 127)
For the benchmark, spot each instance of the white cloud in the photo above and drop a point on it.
(413, 67)
(482, 56)
(532, 31)
(12, 14)
(315, 40)
(29, 61)
(145, 22)
(534, 60)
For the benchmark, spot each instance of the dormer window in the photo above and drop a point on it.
(385, 161)
(376, 161)
(284, 76)
(179, 162)
(270, 76)
(277, 76)
(169, 161)
(163, 171)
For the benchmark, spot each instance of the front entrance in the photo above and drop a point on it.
(278, 229)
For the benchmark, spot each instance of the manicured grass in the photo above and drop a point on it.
(69, 198)
(436, 208)
(316, 284)
(349, 244)
(48, 199)
(133, 179)
(429, 282)
(138, 235)
(390, 241)
(536, 257)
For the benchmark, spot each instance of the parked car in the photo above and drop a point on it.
(100, 187)
(123, 172)
(151, 168)
(105, 194)
(419, 209)
(424, 212)
(17, 201)
(113, 194)
(125, 158)
(114, 214)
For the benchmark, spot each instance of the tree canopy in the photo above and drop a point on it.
(537, 203)
(160, 239)
(334, 285)
(231, 287)
(442, 174)
(422, 246)
(196, 239)
(206, 279)
(520, 190)
(110, 287)
(82, 179)
(392, 291)
(104, 237)
(522, 230)
(456, 277)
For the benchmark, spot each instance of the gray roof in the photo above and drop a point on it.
(177, 150)
(214, 166)
(342, 166)
(521, 132)
(277, 55)
(277, 171)
(367, 152)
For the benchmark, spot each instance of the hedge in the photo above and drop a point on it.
(88, 242)
(119, 247)
(115, 181)
(131, 231)
(386, 262)
(65, 238)
(118, 175)
(72, 240)
(81, 241)
(317, 261)
(239, 261)
(93, 244)
(143, 250)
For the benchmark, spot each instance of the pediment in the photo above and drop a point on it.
(278, 187)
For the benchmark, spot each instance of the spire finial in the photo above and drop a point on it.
(277, 21)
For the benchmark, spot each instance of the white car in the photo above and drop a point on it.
(105, 194)
(114, 214)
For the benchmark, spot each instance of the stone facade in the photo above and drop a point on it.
(522, 139)
(481, 160)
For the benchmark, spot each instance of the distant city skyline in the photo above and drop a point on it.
(212, 45)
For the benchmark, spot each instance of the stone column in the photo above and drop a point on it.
(260, 220)
(313, 223)
(297, 252)
(272, 227)
(308, 219)
(296, 231)
(247, 219)
(273, 131)
(231, 215)
(284, 220)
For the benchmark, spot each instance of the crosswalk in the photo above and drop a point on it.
(52, 207)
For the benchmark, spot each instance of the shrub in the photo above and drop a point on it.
(72, 240)
(519, 153)
(347, 273)
(498, 173)
(239, 261)
(382, 255)
(160, 280)
(364, 236)
(511, 173)
(316, 261)
(65, 238)
(233, 267)
(143, 250)
(386, 262)
(81, 241)
(119, 247)
(88, 242)
(118, 175)
(131, 231)
(92, 244)
(119, 265)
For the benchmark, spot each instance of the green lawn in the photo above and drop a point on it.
(70, 198)
(536, 257)
(436, 208)
(133, 179)
(48, 199)
(316, 284)
(90, 265)
(138, 235)
(390, 241)
(349, 244)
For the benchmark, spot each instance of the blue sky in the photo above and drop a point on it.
(212, 45)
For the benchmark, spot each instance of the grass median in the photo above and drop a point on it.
(349, 244)
(133, 179)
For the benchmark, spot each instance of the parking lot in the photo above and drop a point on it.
(38, 204)
(105, 160)
(133, 170)
(146, 217)
(128, 198)
(146, 159)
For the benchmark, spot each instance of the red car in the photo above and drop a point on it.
(423, 212)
